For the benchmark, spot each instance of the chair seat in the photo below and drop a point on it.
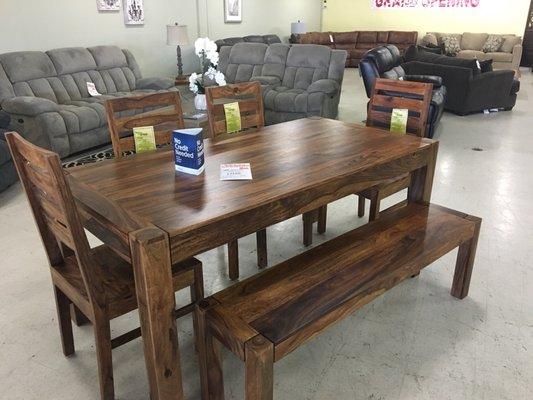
(118, 279)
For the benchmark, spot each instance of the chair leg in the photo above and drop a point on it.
(308, 228)
(259, 375)
(322, 219)
(465, 264)
(197, 295)
(102, 333)
(233, 259)
(77, 316)
(375, 204)
(211, 375)
(65, 326)
(262, 256)
(361, 206)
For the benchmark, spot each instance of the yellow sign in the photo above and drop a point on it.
(144, 137)
(233, 117)
(398, 120)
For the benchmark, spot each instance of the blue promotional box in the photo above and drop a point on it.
(189, 150)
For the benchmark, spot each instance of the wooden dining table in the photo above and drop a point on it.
(152, 216)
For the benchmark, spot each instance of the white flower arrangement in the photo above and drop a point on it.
(206, 49)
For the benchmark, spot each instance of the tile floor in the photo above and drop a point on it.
(415, 342)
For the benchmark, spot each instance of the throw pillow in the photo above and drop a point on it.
(493, 44)
(509, 42)
(430, 40)
(451, 45)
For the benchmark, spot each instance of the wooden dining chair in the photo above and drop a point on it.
(98, 282)
(163, 111)
(248, 96)
(387, 95)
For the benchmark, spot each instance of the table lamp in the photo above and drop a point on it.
(177, 36)
(297, 28)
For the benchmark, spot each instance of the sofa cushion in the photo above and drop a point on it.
(451, 45)
(500, 56)
(473, 41)
(70, 60)
(245, 60)
(367, 37)
(344, 38)
(509, 42)
(471, 54)
(430, 40)
(396, 37)
(23, 66)
(305, 65)
(6, 88)
(286, 99)
(80, 119)
(493, 44)
(108, 57)
(5, 155)
(275, 60)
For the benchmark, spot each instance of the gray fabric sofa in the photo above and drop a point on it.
(298, 80)
(8, 175)
(46, 95)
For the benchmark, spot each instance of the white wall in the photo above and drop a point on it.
(260, 17)
(48, 24)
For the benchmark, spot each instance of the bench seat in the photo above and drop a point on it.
(286, 305)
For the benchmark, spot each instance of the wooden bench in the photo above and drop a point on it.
(265, 317)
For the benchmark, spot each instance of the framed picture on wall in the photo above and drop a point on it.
(133, 12)
(232, 11)
(108, 5)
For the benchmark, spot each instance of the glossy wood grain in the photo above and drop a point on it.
(161, 110)
(297, 299)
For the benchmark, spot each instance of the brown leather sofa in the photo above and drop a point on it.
(357, 43)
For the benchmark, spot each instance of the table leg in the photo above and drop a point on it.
(153, 280)
(422, 179)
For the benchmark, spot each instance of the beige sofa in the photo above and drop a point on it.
(471, 44)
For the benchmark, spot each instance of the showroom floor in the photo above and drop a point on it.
(415, 342)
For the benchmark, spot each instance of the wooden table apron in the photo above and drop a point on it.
(297, 167)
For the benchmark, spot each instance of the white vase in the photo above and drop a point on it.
(200, 102)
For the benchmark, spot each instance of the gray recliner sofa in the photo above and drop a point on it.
(298, 81)
(8, 174)
(46, 96)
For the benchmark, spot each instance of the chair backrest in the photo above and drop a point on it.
(250, 100)
(54, 210)
(164, 114)
(389, 94)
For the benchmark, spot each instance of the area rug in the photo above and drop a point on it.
(101, 155)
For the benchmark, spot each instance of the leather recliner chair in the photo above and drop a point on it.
(385, 62)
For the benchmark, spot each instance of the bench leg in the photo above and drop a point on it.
(259, 378)
(233, 260)
(308, 228)
(465, 264)
(262, 258)
(375, 204)
(77, 316)
(361, 206)
(209, 352)
(322, 219)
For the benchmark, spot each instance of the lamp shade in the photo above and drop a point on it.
(298, 28)
(177, 35)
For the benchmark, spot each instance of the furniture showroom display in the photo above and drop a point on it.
(471, 45)
(8, 174)
(386, 62)
(468, 89)
(298, 81)
(46, 93)
(267, 316)
(357, 43)
(267, 39)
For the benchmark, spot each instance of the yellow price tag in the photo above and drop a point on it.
(144, 137)
(233, 117)
(398, 120)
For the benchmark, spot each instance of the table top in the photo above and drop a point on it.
(286, 158)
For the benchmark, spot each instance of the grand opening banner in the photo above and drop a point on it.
(425, 3)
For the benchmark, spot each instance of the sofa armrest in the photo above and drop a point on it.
(29, 106)
(267, 80)
(436, 81)
(517, 56)
(327, 86)
(155, 83)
